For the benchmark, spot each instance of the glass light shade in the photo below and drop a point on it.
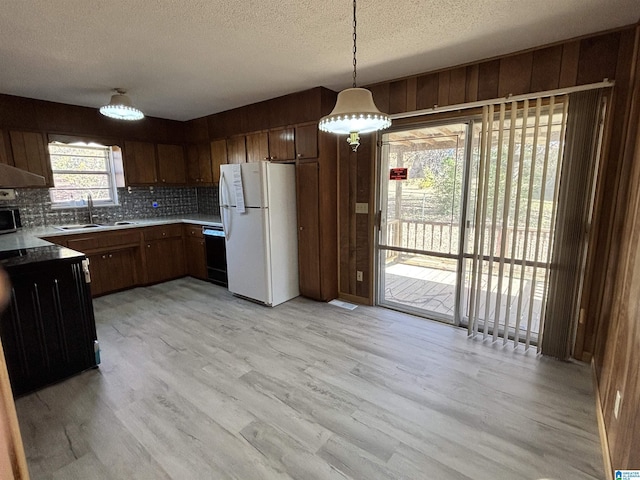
(120, 108)
(355, 112)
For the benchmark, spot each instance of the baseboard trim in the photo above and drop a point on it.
(604, 440)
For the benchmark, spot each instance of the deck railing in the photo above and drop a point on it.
(444, 237)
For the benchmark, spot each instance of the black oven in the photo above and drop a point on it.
(9, 220)
(216, 255)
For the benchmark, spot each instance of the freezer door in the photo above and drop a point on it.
(248, 258)
(254, 185)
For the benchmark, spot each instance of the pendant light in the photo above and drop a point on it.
(120, 107)
(355, 112)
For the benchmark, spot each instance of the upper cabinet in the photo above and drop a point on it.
(236, 149)
(4, 148)
(171, 164)
(307, 141)
(218, 157)
(282, 145)
(199, 171)
(30, 153)
(140, 163)
(257, 146)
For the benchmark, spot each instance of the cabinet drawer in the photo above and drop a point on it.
(119, 238)
(193, 231)
(163, 231)
(84, 243)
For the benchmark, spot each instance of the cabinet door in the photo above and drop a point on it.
(199, 164)
(196, 257)
(4, 150)
(30, 154)
(171, 164)
(164, 259)
(236, 149)
(307, 141)
(257, 147)
(282, 144)
(308, 230)
(140, 163)
(98, 270)
(218, 157)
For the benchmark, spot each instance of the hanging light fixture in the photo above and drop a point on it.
(120, 107)
(355, 112)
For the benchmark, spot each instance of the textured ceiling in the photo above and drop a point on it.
(183, 59)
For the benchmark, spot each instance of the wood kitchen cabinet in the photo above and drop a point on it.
(282, 145)
(114, 257)
(218, 149)
(171, 164)
(199, 164)
(307, 141)
(4, 148)
(195, 253)
(257, 146)
(236, 149)
(30, 154)
(163, 253)
(140, 163)
(316, 194)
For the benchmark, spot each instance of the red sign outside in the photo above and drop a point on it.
(398, 173)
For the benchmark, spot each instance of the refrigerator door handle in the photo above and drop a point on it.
(223, 205)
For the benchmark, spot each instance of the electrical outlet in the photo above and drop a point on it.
(359, 276)
(362, 208)
(7, 194)
(616, 407)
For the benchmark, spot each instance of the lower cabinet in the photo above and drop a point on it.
(48, 331)
(164, 253)
(113, 270)
(195, 252)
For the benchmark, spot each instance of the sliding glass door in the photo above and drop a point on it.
(420, 236)
(466, 218)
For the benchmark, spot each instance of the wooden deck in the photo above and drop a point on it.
(431, 290)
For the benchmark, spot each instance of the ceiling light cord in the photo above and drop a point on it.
(354, 43)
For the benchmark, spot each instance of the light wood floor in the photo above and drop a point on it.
(198, 384)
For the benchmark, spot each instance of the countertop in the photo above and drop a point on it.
(32, 237)
(17, 258)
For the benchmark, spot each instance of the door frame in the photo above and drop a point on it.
(469, 120)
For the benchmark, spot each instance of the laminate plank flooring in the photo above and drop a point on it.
(198, 384)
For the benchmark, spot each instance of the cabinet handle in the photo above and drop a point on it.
(301, 228)
(104, 256)
(300, 155)
(267, 158)
(110, 256)
(164, 234)
(148, 245)
(274, 157)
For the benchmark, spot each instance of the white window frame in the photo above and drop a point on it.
(111, 172)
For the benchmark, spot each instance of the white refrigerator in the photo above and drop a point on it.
(258, 211)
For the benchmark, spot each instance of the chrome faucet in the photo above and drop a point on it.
(90, 206)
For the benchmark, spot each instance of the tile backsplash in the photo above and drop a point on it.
(36, 211)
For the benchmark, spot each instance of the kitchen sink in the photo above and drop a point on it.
(78, 227)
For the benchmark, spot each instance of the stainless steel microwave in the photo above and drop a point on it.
(9, 220)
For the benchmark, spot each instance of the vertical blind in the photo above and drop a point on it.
(515, 175)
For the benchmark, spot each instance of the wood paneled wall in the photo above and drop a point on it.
(38, 115)
(300, 107)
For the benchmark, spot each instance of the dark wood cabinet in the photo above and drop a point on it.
(140, 163)
(282, 144)
(4, 148)
(257, 146)
(48, 331)
(317, 222)
(307, 141)
(164, 253)
(195, 253)
(218, 150)
(171, 164)
(199, 165)
(308, 229)
(112, 271)
(236, 149)
(30, 154)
